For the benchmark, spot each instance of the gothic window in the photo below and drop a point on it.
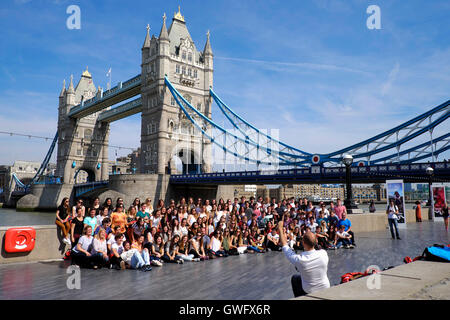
(152, 67)
(190, 72)
(149, 128)
(177, 68)
(199, 107)
(88, 134)
(183, 55)
(195, 73)
(153, 51)
(190, 57)
(79, 152)
(172, 101)
(183, 70)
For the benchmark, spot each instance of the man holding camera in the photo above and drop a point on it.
(311, 264)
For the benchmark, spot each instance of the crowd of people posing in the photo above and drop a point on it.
(141, 235)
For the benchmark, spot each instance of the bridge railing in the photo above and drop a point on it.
(416, 168)
(83, 188)
(131, 83)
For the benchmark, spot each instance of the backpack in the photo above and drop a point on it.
(436, 252)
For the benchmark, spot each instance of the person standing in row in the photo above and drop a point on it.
(418, 212)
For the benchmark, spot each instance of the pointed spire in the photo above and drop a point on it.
(163, 35)
(178, 16)
(63, 90)
(70, 89)
(147, 38)
(207, 49)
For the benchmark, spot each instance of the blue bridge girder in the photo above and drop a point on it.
(414, 172)
(122, 111)
(123, 91)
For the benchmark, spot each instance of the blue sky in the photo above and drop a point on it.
(311, 69)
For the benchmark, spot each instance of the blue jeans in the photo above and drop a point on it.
(341, 242)
(393, 224)
(140, 259)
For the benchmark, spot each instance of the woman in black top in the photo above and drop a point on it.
(62, 219)
(77, 227)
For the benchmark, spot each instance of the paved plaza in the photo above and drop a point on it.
(250, 276)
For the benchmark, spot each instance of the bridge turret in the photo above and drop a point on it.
(146, 46)
(70, 94)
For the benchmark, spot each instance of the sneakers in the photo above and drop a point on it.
(66, 240)
(196, 259)
(146, 268)
(180, 261)
(398, 238)
(351, 246)
(347, 246)
(156, 263)
(122, 265)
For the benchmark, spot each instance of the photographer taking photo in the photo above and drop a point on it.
(311, 264)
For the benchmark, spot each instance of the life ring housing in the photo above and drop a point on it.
(20, 239)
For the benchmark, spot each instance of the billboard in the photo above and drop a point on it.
(438, 198)
(395, 190)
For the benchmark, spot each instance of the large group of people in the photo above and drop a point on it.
(141, 235)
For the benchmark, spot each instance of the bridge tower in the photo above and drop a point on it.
(166, 133)
(82, 143)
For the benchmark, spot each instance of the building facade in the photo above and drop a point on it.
(166, 132)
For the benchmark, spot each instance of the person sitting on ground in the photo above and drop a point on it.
(62, 219)
(322, 238)
(215, 248)
(143, 258)
(183, 250)
(157, 251)
(332, 237)
(99, 250)
(196, 247)
(81, 253)
(143, 213)
(171, 251)
(348, 227)
(117, 250)
(343, 238)
(273, 239)
(311, 264)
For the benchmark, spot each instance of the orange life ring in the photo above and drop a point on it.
(20, 239)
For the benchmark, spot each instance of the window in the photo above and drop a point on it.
(79, 152)
(190, 72)
(195, 73)
(199, 107)
(177, 68)
(190, 57)
(172, 101)
(88, 134)
(183, 70)
(183, 55)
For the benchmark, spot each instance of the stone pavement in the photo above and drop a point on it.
(249, 276)
(419, 280)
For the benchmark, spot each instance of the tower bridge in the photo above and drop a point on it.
(174, 95)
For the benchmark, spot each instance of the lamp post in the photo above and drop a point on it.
(347, 160)
(430, 172)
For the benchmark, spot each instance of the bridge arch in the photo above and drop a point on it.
(184, 160)
(83, 175)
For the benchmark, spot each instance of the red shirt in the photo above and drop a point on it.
(338, 210)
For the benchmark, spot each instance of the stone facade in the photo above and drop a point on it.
(82, 143)
(166, 133)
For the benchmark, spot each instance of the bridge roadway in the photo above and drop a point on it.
(371, 174)
(121, 92)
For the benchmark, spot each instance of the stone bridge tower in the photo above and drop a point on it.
(82, 143)
(166, 133)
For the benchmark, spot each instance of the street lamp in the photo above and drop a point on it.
(347, 160)
(430, 172)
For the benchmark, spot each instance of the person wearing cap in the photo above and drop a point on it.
(311, 264)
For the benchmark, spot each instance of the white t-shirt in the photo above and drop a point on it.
(215, 244)
(392, 210)
(118, 248)
(312, 266)
(99, 245)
